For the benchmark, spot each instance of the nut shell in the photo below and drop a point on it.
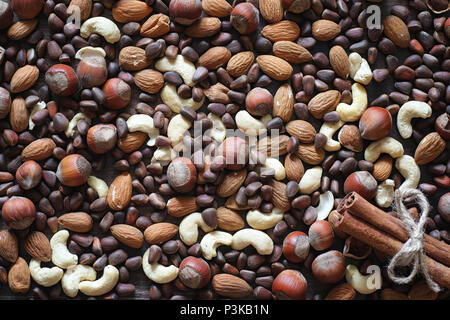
(118, 93)
(61, 80)
(18, 213)
(329, 267)
(375, 123)
(289, 284)
(245, 18)
(73, 170)
(194, 272)
(182, 175)
(102, 138)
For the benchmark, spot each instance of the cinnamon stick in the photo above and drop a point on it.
(360, 207)
(387, 244)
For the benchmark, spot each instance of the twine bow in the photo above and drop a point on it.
(412, 252)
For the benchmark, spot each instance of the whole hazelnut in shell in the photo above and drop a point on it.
(73, 170)
(18, 213)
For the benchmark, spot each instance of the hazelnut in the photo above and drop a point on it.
(29, 175)
(296, 246)
(6, 15)
(73, 170)
(61, 80)
(329, 267)
(296, 6)
(235, 152)
(18, 213)
(375, 123)
(321, 235)
(361, 182)
(5, 101)
(117, 92)
(442, 126)
(185, 12)
(181, 174)
(245, 18)
(289, 284)
(27, 9)
(194, 272)
(102, 138)
(92, 68)
(259, 102)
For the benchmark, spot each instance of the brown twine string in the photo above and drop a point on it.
(412, 252)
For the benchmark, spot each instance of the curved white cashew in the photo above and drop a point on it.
(386, 145)
(103, 285)
(89, 50)
(262, 221)
(188, 229)
(178, 125)
(326, 204)
(218, 131)
(212, 240)
(163, 155)
(171, 98)
(61, 256)
(258, 239)
(71, 129)
(310, 181)
(38, 106)
(409, 169)
(385, 193)
(359, 69)
(248, 124)
(73, 276)
(143, 123)
(157, 272)
(409, 110)
(45, 277)
(280, 171)
(102, 26)
(352, 112)
(98, 185)
(180, 65)
(329, 129)
(359, 282)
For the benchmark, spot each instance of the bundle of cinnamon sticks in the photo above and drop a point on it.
(371, 225)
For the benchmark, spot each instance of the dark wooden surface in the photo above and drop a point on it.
(314, 287)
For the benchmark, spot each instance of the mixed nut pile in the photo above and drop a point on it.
(117, 156)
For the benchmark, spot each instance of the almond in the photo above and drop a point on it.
(325, 30)
(429, 148)
(339, 61)
(24, 78)
(382, 168)
(294, 167)
(396, 30)
(240, 63)
(180, 206)
(161, 232)
(217, 93)
(132, 141)
(21, 29)
(350, 138)
(119, 192)
(214, 58)
(283, 102)
(203, 27)
(156, 26)
(291, 52)
(389, 294)
(133, 59)
(271, 10)
(274, 67)
(231, 204)
(343, 291)
(273, 146)
(324, 102)
(130, 10)
(229, 220)
(231, 286)
(302, 130)
(9, 246)
(284, 30)
(421, 291)
(217, 8)
(309, 154)
(19, 277)
(231, 183)
(39, 149)
(18, 116)
(85, 7)
(76, 221)
(279, 198)
(37, 245)
(149, 80)
(128, 235)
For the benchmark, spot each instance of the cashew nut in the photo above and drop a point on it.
(163, 155)
(71, 129)
(409, 110)
(178, 125)
(157, 272)
(248, 124)
(329, 129)
(38, 106)
(61, 256)
(408, 168)
(98, 185)
(189, 228)
(360, 69)
(352, 112)
(218, 131)
(280, 171)
(310, 181)
(102, 26)
(326, 204)
(73, 276)
(385, 193)
(360, 283)
(89, 50)
(386, 145)
(171, 98)
(102, 285)
(143, 123)
(258, 239)
(180, 65)
(262, 221)
(212, 240)
(45, 277)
